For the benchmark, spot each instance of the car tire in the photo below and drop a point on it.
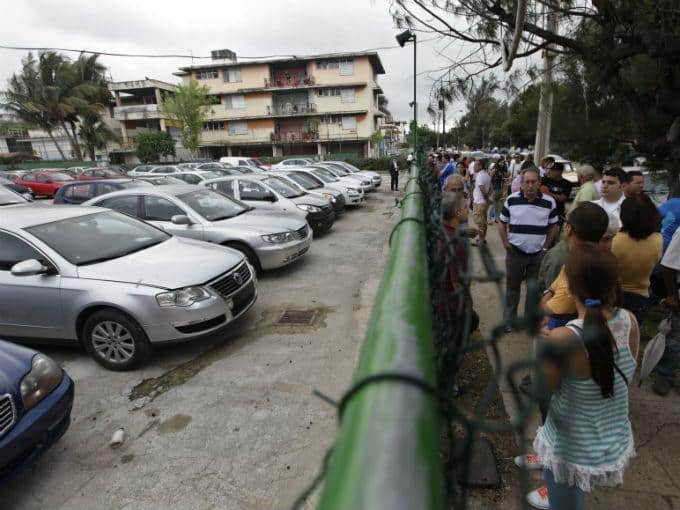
(249, 255)
(115, 341)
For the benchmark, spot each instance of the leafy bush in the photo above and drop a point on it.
(153, 145)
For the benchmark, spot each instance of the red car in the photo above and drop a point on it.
(100, 173)
(43, 183)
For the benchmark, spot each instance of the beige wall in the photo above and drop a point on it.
(362, 73)
(255, 106)
(251, 77)
(362, 101)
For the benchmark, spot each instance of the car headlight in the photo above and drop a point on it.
(329, 197)
(281, 237)
(309, 208)
(182, 297)
(44, 376)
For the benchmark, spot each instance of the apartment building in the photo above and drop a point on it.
(307, 105)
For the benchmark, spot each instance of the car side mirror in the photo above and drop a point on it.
(30, 267)
(181, 219)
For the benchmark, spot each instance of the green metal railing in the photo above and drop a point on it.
(387, 453)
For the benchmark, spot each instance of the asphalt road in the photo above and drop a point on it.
(228, 422)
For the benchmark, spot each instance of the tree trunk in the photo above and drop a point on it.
(54, 141)
(76, 145)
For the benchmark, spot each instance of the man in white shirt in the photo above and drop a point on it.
(612, 191)
(481, 198)
(664, 373)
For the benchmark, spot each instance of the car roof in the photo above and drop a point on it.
(37, 214)
(94, 181)
(166, 189)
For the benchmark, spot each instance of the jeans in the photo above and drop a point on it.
(394, 181)
(562, 496)
(669, 361)
(636, 304)
(519, 266)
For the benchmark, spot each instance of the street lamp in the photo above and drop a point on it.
(402, 39)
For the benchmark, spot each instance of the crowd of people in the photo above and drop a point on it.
(601, 262)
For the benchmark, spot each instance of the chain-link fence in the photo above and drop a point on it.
(405, 440)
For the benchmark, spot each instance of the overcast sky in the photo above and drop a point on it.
(249, 28)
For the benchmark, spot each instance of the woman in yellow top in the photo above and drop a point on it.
(638, 248)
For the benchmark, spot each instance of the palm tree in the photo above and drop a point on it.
(95, 134)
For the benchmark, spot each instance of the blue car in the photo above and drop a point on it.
(36, 397)
(77, 192)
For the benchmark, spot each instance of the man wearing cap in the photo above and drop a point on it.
(587, 191)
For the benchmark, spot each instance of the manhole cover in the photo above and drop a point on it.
(297, 317)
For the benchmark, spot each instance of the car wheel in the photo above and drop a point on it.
(249, 255)
(115, 341)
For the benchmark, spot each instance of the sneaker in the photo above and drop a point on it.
(530, 461)
(539, 498)
(661, 386)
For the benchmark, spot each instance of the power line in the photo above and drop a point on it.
(179, 55)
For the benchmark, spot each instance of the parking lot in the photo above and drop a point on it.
(229, 421)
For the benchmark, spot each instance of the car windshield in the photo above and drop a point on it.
(162, 181)
(305, 181)
(8, 197)
(350, 167)
(60, 176)
(281, 187)
(211, 175)
(213, 206)
(244, 170)
(134, 184)
(98, 237)
(324, 175)
(338, 169)
(210, 166)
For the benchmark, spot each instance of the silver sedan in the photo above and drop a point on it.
(267, 241)
(113, 283)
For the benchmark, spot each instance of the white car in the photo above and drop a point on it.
(294, 162)
(238, 161)
(352, 193)
(364, 182)
(155, 170)
(375, 177)
(197, 176)
(308, 184)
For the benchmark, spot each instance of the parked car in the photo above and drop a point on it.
(239, 161)
(113, 283)
(13, 175)
(188, 166)
(36, 398)
(267, 241)
(161, 180)
(196, 176)
(314, 186)
(17, 188)
(67, 171)
(100, 172)
(353, 194)
(294, 162)
(44, 183)
(363, 181)
(375, 177)
(155, 170)
(260, 195)
(9, 198)
(77, 192)
(77, 170)
(211, 166)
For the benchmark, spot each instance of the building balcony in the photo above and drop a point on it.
(138, 112)
(291, 109)
(287, 82)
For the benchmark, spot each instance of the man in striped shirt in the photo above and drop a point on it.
(528, 227)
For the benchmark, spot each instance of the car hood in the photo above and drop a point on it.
(261, 223)
(165, 265)
(310, 200)
(15, 362)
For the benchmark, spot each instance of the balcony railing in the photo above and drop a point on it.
(291, 109)
(137, 112)
(289, 81)
(295, 136)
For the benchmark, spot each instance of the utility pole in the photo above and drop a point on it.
(545, 105)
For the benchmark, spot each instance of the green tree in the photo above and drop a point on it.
(190, 105)
(154, 145)
(94, 134)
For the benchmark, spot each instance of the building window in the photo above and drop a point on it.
(329, 92)
(232, 74)
(344, 65)
(213, 126)
(238, 127)
(349, 123)
(331, 119)
(235, 101)
(347, 96)
(207, 75)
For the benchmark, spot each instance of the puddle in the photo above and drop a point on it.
(174, 424)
